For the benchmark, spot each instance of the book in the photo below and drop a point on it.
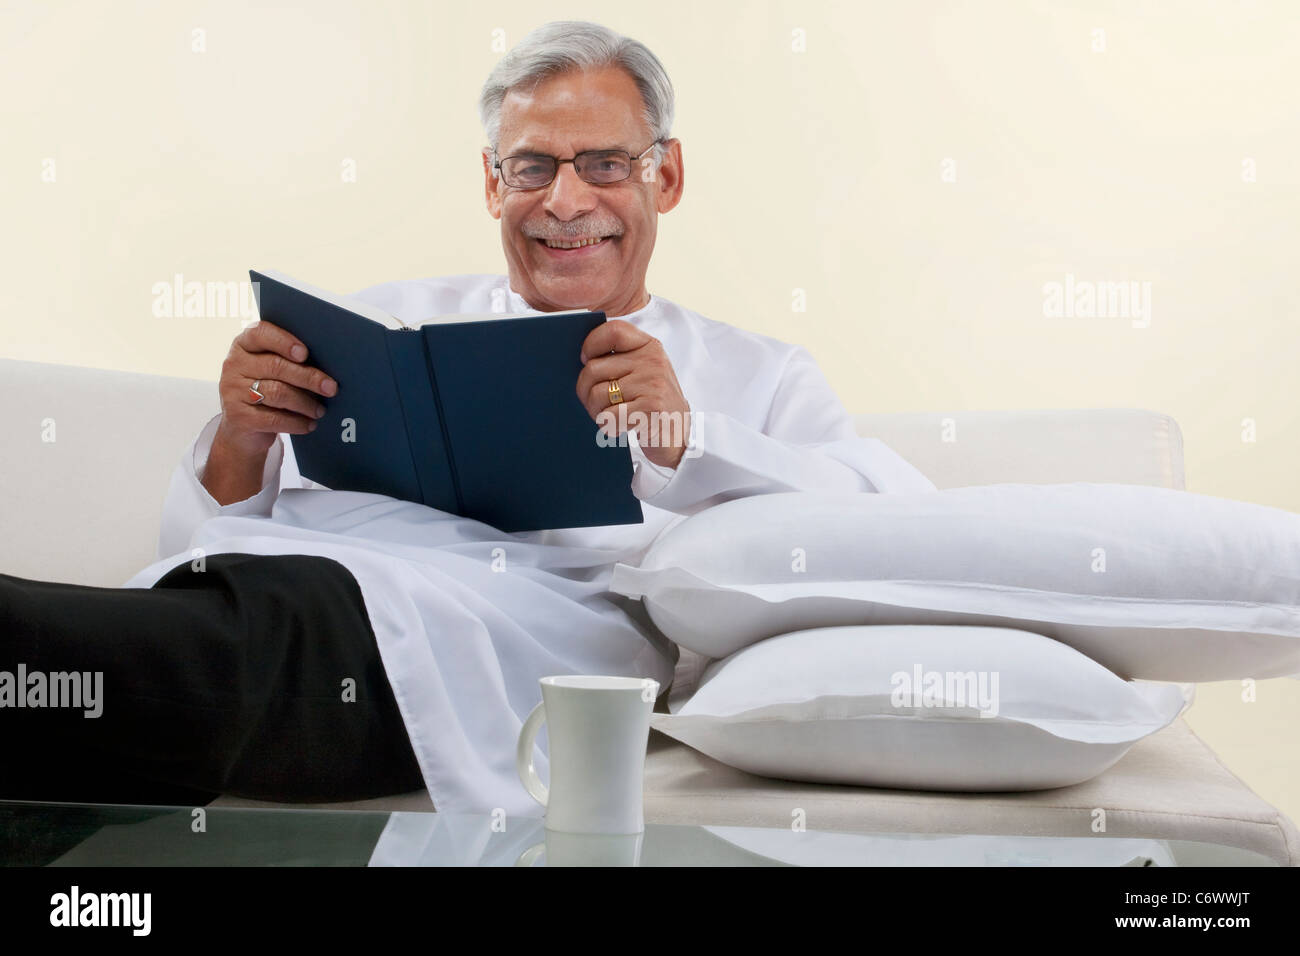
(476, 415)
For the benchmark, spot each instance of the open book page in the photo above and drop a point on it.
(367, 311)
(488, 316)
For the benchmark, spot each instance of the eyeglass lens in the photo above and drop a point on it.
(598, 166)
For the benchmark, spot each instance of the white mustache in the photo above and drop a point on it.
(573, 231)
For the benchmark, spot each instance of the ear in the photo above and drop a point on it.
(491, 186)
(671, 176)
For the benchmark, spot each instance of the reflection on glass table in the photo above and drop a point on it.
(36, 834)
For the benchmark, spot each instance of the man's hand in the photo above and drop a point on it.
(653, 405)
(267, 354)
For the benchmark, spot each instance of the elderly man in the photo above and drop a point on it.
(301, 643)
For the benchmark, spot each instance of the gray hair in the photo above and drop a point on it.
(565, 45)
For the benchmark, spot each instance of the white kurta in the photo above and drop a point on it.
(467, 618)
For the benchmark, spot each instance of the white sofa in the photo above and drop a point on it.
(84, 508)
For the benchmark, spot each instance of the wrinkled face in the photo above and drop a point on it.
(562, 116)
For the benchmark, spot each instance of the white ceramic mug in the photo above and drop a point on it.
(598, 728)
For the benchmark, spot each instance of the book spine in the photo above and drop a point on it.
(442, 424)
(400, 370)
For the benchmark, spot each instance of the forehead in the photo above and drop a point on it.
(574, 111)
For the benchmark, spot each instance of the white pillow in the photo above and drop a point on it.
(919, 707)
(1153, 583)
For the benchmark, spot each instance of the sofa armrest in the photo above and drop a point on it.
(85, 508)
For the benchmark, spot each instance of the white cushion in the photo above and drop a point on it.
(1153, 583)
(919, 707)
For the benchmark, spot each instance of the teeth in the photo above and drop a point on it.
(557, 244)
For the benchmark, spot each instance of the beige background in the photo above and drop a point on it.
(816, 136)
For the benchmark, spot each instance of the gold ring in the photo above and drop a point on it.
(615, 393)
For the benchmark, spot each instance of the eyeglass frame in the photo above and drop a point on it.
(560, 162)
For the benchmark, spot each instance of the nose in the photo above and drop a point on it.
(568, 196)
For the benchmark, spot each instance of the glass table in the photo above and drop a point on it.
(53, 834)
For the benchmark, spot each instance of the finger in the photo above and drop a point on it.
(653, 427)
(622, 417)
(264, 336)
(270, 366)
(612, 335)
(277, 394)
(259, 418)
(597, 396)
(604, 368)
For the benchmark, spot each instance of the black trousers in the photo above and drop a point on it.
(256, 676)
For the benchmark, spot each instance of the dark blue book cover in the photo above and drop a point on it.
(476, 417)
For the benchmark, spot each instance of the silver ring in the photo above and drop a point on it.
(258, 396)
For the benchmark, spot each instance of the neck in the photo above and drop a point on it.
(637, 302)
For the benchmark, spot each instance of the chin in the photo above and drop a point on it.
(576, 293)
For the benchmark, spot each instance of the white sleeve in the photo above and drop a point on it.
(188, 503)
(807, 444)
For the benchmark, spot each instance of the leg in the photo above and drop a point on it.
(226, 680)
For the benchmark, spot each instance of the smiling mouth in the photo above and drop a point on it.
(574, 243)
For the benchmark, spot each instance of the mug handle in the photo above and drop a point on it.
(524, 755)
(529, 856)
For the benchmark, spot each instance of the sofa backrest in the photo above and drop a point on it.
(85, 506)
(1123, 445)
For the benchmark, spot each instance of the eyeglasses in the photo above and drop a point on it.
(599, 166)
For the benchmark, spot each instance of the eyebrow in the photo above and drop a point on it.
(534, 151)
